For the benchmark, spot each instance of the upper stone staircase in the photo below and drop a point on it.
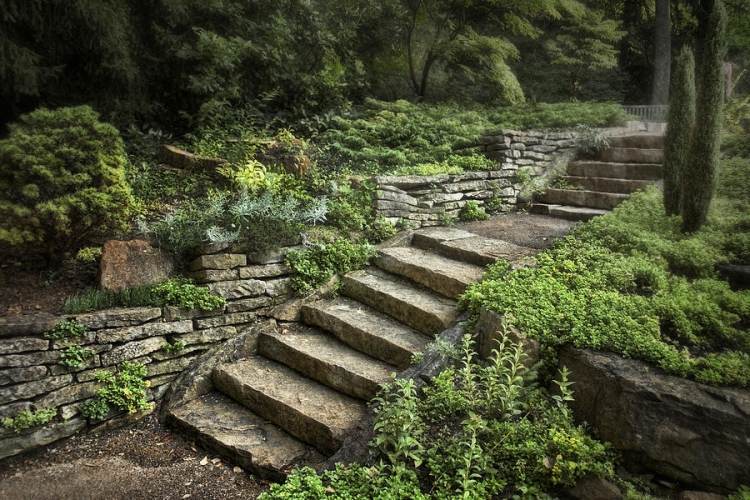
(595, 186)
(294, 402)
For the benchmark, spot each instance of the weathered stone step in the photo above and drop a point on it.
(445, 276)
(243, 437)
(607, 184)
(414, 306)
(468, 247)
(632, 155)
(642, 141)
(566, 212)
(366, 330)
(307, 410)
(632, 171)
(580, 198)
(323, 358)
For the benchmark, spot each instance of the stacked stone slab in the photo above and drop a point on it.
(597, 185)
(427, 200)
(31, 376)
(295, 400)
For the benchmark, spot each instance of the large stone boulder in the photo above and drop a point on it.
(133, 263)
(691, 432)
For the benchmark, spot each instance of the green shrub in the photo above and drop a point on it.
(89, 255)
(62, 181)
(379, 230)
(126, 389)
(472, 211)
(65, 329)
(174, 347)
(28, 419)
(75, 356)
(475, 431)
(178, 292)
(315, 265)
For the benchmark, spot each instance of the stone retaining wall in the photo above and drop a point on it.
(428, 200)
(31, 376)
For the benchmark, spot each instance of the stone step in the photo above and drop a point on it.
(631, 171)
(243, 437)
(468, 247)
(414, 306)
(566, 212)
(632, 155)
(366, 330)
(581, 198)
(324, 358)
(309, 411)
(445, 276)
(642, 141)
(606, 184)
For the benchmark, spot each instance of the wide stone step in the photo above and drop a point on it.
(632, 155)
(566, 212)
(607, 184)
(468, 247)
(445, 276)
(642, 141)
(366, 330)
(632, 171)
(324, 358)
(414, 306)
(581, 198)
(243, 437)
(307, 410)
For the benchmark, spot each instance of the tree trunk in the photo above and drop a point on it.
(662, 53)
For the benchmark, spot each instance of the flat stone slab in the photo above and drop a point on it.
(633, 171)
(445, 276)
(414, 306)
(242, 436)
(324, 358)
(567, 212)
(309, 411)
(474, 249)
(366, 330)
(582, 198)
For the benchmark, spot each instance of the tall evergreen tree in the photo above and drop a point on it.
(699, 179)
(662, 52)
(680, 128)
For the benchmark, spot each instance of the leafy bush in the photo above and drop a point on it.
(89, 255)
(179, 292)
(472, 211)
(258, 222)
(630, 282)
(476, 431)
(174, 347)
(27, 419)
(316, 264)
(62, 181)
(65, 329)
(126, 389)
(74, 356)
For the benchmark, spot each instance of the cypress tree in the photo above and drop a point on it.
(699, 178)
(680, 128)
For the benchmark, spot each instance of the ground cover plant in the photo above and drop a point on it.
(475, 431)
(124, 389)
(632, 283)
(28, 419)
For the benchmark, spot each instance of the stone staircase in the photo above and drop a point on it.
(595, 186)
(294, 402)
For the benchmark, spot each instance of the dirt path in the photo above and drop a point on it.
(141, 461)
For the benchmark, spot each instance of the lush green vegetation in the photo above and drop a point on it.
(65, 329)
(179, 292)
(631, 282)
(316, 264)
(75, 356)
(28, 419)
(476, 431)
(125, 389)
(62, 182)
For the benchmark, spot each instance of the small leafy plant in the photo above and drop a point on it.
(126, 389)
(316, 264)
(27, 419)
(89, 255)
(66, 329)
(472, 212)
(75, 356)
(174, 347)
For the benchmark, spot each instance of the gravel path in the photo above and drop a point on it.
(141, 461)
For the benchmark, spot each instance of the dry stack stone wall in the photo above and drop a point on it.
(427, 200)
(32, 377)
